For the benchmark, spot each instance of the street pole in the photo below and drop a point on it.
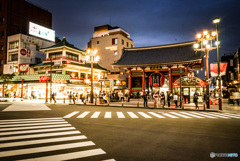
(51, 80)
(219, 77)
(180, 87)
(22, 89)
(91, 99)
(3, 92)
(46, 91)
(207, 78)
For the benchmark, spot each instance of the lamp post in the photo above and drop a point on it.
(92, 58)
(205, 44)
(216, 21)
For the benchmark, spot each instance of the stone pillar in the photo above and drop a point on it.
(143, 79)
(130, 80)
(170, 78)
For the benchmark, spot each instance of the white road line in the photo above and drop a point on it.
(55, 118)
(132, 115)
(178, 114)
(197, 113)
(95, 115)
(120, 115)
(25, 122)
(157, 115)
(46, 123)
(36, 131)
(38, 135)
(169, 115)
(84, 114)
(41, 141)
(228, 114)
(45, 149)
(71, 114)
(186, 113)
(69, 156)
(145, 115)
(34, 127)
(216, 115)
(109, 160)
(108, 115)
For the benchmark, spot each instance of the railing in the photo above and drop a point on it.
(64, 58)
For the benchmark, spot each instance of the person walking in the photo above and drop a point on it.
(163, 99)
(195, 100)
(145, 99)
(73, 97)
(175, 99)
(70, 97)
(169, 98)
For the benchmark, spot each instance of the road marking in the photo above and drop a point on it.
(145, 115)
(69, 156)
(120, 115)
(96, 114)
(56, 118)
(109, 160)
(178, 114)
(45, 148)
(186, 113)
(25, 122)
(84, 114)
(157, 115)
(132, 115)
(71, 114)
(216, 115)
(196, 113)
(46, 123)
(169, 115)
(34, 127)
(37, 131)
(228, 115)
(38, 135)
(108, 115)
(41, 141)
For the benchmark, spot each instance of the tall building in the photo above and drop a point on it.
(15, 16)
(110, 42)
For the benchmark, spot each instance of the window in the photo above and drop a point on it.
(122, 42)
(231, 62)
(97, 42)
(1, 62)
(14, 57)
(131, 45)
(115, 53)
(114, 41)
(72, 56)
(55, 55)
(13, 45)
(127, 44)
(26, 45)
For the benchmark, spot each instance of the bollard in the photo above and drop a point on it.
(138, 103)
(64, 100)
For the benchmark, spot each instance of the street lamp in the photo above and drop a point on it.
(205, 44)
(92, 58)
(216, 21)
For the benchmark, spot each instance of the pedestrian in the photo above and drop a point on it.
(53, 97)
(70, 97)
(77, 96)
(175, 99)
(145, 99)
(163, 99)
(169, 98)
(121, 96)
(195, 100)
(73, 98)
(81, 97)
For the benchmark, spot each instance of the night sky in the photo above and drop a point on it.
(149, 22)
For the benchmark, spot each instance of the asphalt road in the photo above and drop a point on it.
(124, 138)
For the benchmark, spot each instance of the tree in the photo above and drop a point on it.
(6, 80)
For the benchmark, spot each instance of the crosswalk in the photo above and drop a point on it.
(45, 139)
(150, 115)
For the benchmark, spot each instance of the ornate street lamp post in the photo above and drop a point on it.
(216, 21)
(205, 44)
(92, 58)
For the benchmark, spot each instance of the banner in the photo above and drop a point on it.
(23, 67)
(214, 69)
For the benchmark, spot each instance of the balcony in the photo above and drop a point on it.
(64, 58)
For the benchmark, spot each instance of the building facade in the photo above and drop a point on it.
(15, 16)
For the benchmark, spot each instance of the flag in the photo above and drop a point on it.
(214, 69)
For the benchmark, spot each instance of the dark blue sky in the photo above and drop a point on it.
(149, 22)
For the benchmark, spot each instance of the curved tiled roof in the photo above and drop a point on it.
(157, 55)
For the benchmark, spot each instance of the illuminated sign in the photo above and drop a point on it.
(112, 48)
(42, 32)
(25, 52)
(23, 67)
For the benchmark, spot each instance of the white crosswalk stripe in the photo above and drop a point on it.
(120, 115)
(95, 115)
(150, 115)
(144, 115)
(39, 136)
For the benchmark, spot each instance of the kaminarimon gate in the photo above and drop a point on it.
(156, 68)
